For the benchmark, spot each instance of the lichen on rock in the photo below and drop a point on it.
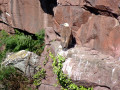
(26, 61)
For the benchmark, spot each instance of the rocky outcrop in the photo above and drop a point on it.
(50, 80)
(89, 68)
(23, 14)
(94, 23)
(23, 60)
(101, 33)
(95, 26)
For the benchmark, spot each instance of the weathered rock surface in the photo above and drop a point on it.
(23, 60)
(89, 67)
(94, 23)
(49, 35)
(105, 6)
(23, 14)
(50, 79)
(98, 20)
(95, 26)
(101, 33)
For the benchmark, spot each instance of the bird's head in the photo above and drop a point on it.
(65, 24)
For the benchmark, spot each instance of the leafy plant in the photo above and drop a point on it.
(39, 76)
(5, 72)
(45, 61)
(20, 41)
(46, 57)
(3, 37)
(63, 79)
(13, 43)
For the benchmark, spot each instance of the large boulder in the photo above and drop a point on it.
(111, 6)
(104, 5)
(25, 61)
(101, 33)
(90, 68)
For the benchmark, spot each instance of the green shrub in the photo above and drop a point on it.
(12, 79)
(5, 72)
(13, 43)
(20, 41)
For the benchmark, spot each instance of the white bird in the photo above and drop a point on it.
(66, 35)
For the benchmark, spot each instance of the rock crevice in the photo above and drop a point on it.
(97, 11)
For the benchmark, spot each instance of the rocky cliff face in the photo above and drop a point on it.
(23, 14)
(89, 68)
(95, 24)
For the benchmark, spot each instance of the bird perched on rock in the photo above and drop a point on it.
(66, 36)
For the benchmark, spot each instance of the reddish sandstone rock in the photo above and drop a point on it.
(94, 24)
(105, 5)
(68, 2)
(74, 15)
(101, 33)
(50, 79)
(90, 68)
(49, 35)
(24, 14)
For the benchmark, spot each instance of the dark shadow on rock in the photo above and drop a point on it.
(48, 5)
(105, 11)
(73, 43)
(34, 37)
(1, 12)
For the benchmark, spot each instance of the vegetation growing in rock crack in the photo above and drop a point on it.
(46, 57)
(46, 60)
(39, 76)
(13, 43)
(63, 79)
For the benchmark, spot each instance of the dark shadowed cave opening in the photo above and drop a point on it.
(48, 5)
